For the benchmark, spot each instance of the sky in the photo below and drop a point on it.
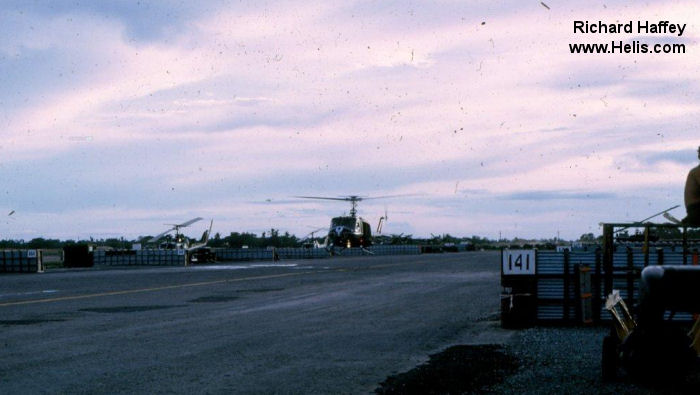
(117, 117)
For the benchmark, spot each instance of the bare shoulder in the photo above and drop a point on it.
(695, 172)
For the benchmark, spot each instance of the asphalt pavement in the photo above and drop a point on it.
(339, 325)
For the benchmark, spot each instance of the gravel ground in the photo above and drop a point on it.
(567, 361)
(557, 360)
(542, 360)
(456, 370)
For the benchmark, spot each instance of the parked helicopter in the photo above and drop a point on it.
(180, 242)
(309, 241)
(350, 230)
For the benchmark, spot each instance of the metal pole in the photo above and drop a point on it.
(608, 258)
(685, 245)
(646, 245)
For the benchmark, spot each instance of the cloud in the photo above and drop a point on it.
(477, 105)
(143, 21)
(557, 195)
(686, 157)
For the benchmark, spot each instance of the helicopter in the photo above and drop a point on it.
(309, 241)
(350, 230)
(180, 242)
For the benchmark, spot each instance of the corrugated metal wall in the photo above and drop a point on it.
(256, 254)
(558, 291)
(395, 249)
(178, 258)
(242, 254)
(21, 261)
(139, 258)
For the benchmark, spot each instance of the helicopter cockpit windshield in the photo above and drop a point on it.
(348, 222)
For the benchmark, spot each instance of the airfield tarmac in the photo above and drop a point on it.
(307, 326)
(345, 325)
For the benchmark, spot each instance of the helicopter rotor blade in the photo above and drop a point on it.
(355, 198)
(385, 197)
(156, 238)
(672, 218)
(176, 228)
(346, 199)
(313, 232)
(190, 222)
(648, 218)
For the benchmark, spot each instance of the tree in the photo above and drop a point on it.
(216, 241)
(587, 237)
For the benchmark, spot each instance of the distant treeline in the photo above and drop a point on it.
(273, 238)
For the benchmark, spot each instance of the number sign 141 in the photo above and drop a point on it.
(519, 262)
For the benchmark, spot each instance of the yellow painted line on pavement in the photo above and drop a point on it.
(188, 285)
(384, 266)
(153, 289)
